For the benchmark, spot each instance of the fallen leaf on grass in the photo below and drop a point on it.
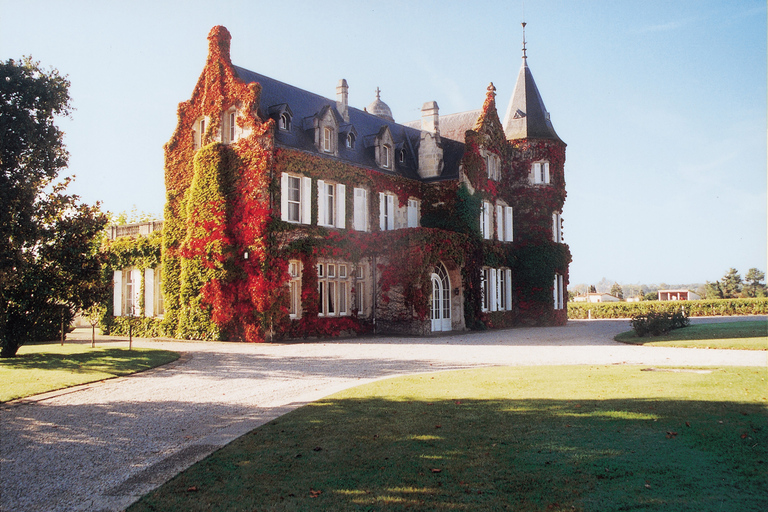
(671, 435)
(435, 470)
(438, 426)
(192, 489)
(314, 494)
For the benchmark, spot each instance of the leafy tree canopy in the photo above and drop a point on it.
(49, 263)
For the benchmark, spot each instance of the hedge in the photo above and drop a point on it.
(713, 307)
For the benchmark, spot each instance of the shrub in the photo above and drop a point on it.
(657, 323)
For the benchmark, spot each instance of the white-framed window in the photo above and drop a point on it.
(361, 288)
(331, 203)
(504, 223)
(334, 288)
(386, 156)
(386, 211)
(295, 196)
(294, 288)
(198, 133)
(328, 139)
(486, 225)
(413, 213)
(540, 173)
(126, 291)
(558, 292)
(361, 209)
(492, 165)
(351, 140)
(496, 289)
(284, 123)
(229, 127)
(557, 228)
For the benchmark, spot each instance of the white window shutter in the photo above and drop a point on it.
(554, 228)
(357, 201)
(554, 293)
(546, 172)
(341, 206)
(537, 173)
(382, 210)
(322, 199)
(487, 220)
(508, 230)
(136, 279)
(284, 196)
(306, 200)
(500, 222)
(149, 292)
(492, 302)
(508, 285)
(391, 211)
(117, 293)
(413, 213)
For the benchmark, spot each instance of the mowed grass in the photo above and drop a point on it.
(747, 335)
(509, 438)
(38, 368)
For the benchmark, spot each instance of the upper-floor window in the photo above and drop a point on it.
(386, 211)
(504, 226)
(540, 172)
(557, 228)
(198, 133)
(361, 209)
(401, 157)
(331, 204)
(413, 213)
(486, 225)
(493, 166)
(351, 140)
(285, 121)
(386, 156)
(327, 139)
(295, 195)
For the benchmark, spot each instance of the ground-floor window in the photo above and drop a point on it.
(558, 292)
(496, 289)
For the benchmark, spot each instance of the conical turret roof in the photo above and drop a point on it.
(527, 117)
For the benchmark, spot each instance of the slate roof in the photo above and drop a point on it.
(276, 96)
(527, 117)
(453, 126)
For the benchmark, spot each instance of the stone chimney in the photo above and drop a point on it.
(430, 148)
(430, 119)
(342, 99)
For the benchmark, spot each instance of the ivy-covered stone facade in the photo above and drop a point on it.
(292, 215)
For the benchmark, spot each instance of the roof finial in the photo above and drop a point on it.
(378, 93)
(525, 57)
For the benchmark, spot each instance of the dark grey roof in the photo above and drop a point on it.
(526, 116)
(304, 104)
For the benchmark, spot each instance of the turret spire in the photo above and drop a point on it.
(525, 57)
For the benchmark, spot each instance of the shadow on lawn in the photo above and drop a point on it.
(116, 361)
(380, 454)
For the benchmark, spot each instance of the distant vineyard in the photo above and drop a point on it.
(714, 307)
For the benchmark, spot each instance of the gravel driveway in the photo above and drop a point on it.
(101, 446)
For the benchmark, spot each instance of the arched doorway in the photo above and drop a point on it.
(441, 299)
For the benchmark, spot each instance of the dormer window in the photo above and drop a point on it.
(327, 139)
(198, 133)
(402, 156)
(229, 131)
(350, 140)
(285, 122)
(492, 165)
(232, 125)
(540, 173)
(386, 156)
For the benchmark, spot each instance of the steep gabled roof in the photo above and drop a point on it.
(527, 118)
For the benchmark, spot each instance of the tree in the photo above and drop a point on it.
(713, 290)
(753, 285)
(731, 284)
(616, 291)
(49, 263)
(592, 289)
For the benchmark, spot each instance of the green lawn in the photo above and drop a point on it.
(748, 335)
(38, 368)
(520, 438)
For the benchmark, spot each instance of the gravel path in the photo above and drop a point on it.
(101, 446)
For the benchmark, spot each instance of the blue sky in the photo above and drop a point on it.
(662, 103)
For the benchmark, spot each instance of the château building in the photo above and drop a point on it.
(294, 214)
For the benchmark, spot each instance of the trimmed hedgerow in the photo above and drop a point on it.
(713, 307)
